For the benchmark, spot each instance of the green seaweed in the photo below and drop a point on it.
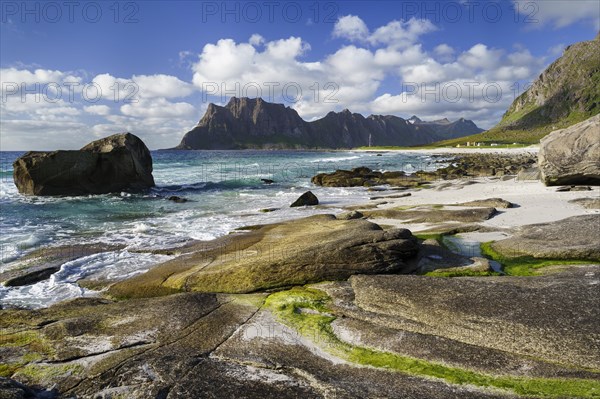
(524, 265)
(288, 307)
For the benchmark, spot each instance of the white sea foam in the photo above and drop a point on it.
(335, 159)
(62, 285)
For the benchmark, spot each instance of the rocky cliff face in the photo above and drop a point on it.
(255, 123)
(564, 94)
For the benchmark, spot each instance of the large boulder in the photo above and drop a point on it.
(296, 252)
(112, 164)
(572, 155)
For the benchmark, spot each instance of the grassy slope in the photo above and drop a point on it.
(570, 89)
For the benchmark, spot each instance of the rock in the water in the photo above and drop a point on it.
(267, 181)
(308, 198)
(571, 238)
(296, 252)
(363, 176)
(572, 155)
(112, 164)
(178, 200)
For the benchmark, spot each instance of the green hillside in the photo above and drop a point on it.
(567, 92)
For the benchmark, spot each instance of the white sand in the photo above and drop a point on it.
(535, 202)
(462, 150)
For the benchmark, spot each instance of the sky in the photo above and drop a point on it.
(75, 71)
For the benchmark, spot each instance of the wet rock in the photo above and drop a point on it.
(306, 199)
(570, 155)
(40, 264)
(112, 164)
(178, 200)
(363, 176)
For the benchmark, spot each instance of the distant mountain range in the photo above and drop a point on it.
(246, 123)
(566, 93)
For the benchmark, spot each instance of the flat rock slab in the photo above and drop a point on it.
(572, 238)
(136, 349)
(429, 214)
(489, 202)
(297, 252)
(552, 318)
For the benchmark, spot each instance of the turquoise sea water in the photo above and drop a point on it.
(224, 192)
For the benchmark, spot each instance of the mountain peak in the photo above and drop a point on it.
(255, 123)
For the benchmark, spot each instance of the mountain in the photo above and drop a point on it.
(255, 123)
(444, 129)
(566, 93)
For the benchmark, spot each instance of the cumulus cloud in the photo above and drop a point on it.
(158, 108)
(384, 71)
(351, 27)
(56, 100)
(395, 33)
(102, 110)
(256, 40)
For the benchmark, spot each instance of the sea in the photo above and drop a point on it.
(224, 192)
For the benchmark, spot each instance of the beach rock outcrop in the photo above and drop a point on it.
(306, 199)
(296, 252)
(363, 176)
(570, 238)
(572, 155)
(112, 164)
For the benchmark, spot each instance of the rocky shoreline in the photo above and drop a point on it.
(372, 302)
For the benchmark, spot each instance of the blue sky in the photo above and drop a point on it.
(158, 64)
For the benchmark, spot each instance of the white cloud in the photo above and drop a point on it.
(38, 76)
(351, 27)
(158, 108)
(444, 52)
(256, 40)
(151, 86)
(367, 76)
(101, 110)
(395, 33)
(559, 13)
(401, 33)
